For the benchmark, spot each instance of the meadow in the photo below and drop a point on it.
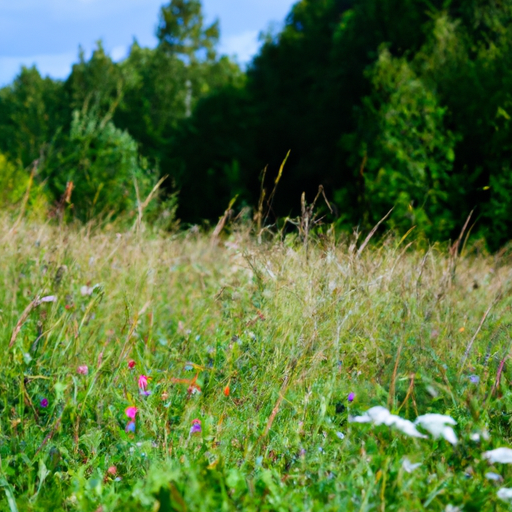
(196, 371)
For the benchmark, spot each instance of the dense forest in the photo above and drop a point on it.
(403, 104)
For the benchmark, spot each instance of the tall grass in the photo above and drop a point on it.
(275, 340)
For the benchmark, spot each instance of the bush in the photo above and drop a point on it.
(103, 163)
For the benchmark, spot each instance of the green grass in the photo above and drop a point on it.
(291, 336)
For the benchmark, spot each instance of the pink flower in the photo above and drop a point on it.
(131, 412)
(131, 364)
(143, 382)
(83, 370)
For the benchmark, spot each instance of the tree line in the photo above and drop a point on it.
(403, 104)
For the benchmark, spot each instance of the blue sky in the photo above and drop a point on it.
(48, 32)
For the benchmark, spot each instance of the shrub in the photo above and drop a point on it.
(103, 163)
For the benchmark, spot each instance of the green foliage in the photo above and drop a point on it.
(98, 82)
(103, 164)
(154, 98)
(31, 112)
(408, 154)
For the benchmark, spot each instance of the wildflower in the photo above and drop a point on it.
(131, 364)
(475, 379)
(501, 455)
(194, 389)
(504, 494)
(131, 412)
(196, 427)
(143, 382)
(408, 466)
(438, 426)
(478, 436)
(130, 427)
(380, 415)
(493, 476)
(462, 329)
(112, 470)
(226, 390)
(86, 290)
(44, 402)
(164, 396)
(351, 396)
(49, 298)
(83, 370)
(189, 367)
(340, 435)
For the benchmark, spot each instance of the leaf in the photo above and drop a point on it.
(10, 495)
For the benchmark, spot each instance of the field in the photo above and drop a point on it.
(114, 343)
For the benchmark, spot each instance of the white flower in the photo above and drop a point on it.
(493, 476)
(409, 466)
(381, 416)
(437, 425)
(340, 435)
(452, 508)
(406, 426)
(478, 436)
(376, 415)
(502, 455)
(504, 494)
(86, 290)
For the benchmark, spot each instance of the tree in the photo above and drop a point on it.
(181, 31)
(31, 111)
(103, 163)
(98, 82)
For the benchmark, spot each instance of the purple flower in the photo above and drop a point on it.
(196, 427)
(44, 402)
(475, 379)
(351, 396)
(130, 427)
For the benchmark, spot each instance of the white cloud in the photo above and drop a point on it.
(244, 45)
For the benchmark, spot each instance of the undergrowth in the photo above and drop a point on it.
(261, 343)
